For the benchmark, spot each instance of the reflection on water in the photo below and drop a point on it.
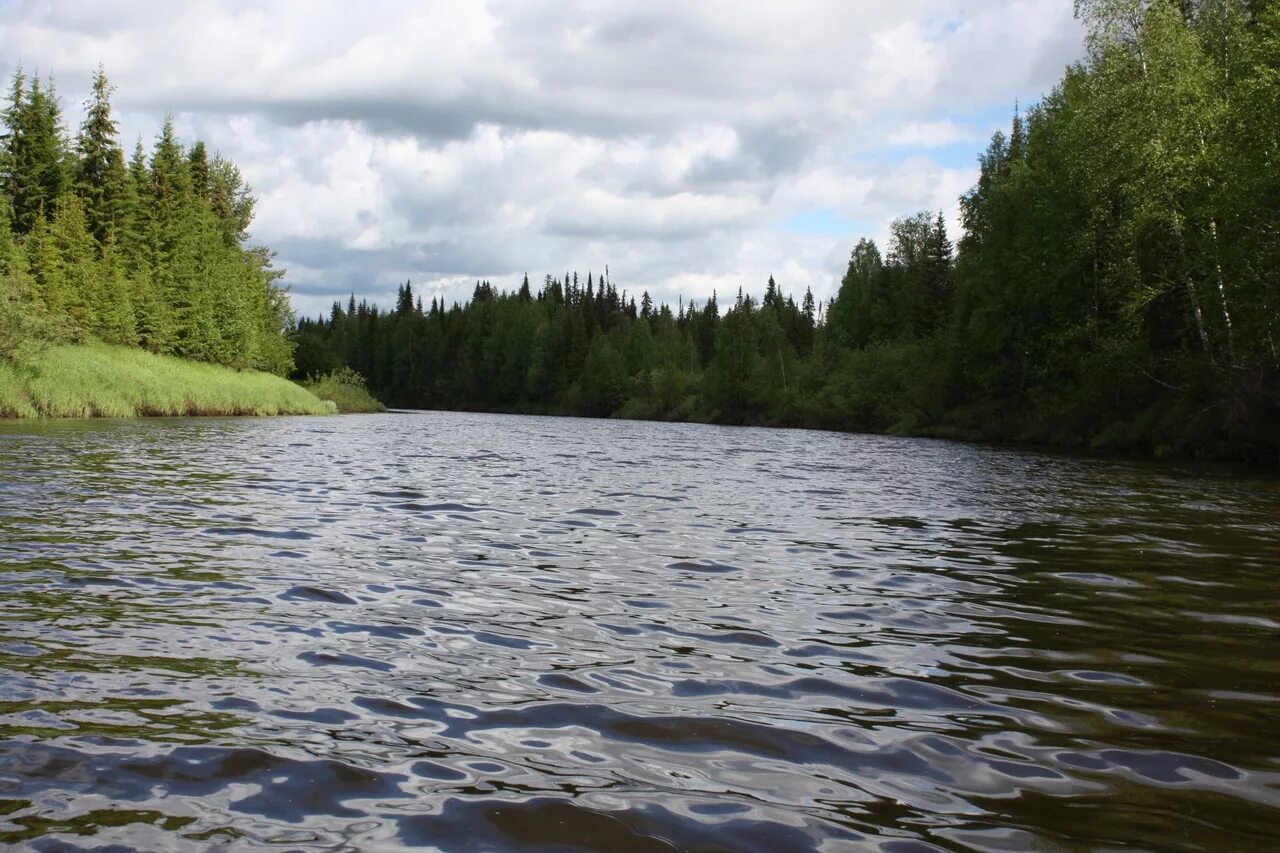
(483, 632)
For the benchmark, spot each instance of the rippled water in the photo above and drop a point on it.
(482, 632)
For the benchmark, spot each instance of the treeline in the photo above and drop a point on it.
(1117, 284)
(572, 347)
(146, 252)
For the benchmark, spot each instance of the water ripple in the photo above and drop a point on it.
(479, 632)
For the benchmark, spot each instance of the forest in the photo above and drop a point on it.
(1116, 284)
(145, 252)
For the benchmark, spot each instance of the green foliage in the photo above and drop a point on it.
(1116, 283)
(100, 171)
(570, 347)
(345, 389)
(148, 254)
(600, 389)
(24, 327)
(35, 151)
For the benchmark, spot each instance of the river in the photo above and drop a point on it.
(484, 632)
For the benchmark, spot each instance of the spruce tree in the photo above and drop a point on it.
(100, 171)
(171, 242)
(116, 320)
(35, 152)
(79, 294)
(938, 256)
(135, 215)
(8, 247)
(198, 168)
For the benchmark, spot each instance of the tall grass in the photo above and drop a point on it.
(95, 380)
(346, 389)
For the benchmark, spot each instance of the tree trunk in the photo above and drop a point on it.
(1222, 292)
(1190, 285)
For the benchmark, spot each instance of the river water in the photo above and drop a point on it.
(480, 632)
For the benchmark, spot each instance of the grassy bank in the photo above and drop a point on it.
(96, 380)
(346, 389)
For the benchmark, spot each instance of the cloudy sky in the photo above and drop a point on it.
(688, 145)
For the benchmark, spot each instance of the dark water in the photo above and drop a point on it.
(484, 633)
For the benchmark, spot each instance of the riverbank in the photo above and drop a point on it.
(97, 380)
(1255, 455)
(345, 389)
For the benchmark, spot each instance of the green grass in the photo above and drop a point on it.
(95, 380)
(346, 389)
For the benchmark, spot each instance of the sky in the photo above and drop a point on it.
(689, 146)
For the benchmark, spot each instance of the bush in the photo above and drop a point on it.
(346, 389)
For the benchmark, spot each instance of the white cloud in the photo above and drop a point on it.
(458, 139)
(929, 134)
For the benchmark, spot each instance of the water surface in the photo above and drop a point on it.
(479, 632)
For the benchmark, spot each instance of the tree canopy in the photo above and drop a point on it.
(150, 253)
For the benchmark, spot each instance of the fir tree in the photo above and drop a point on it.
(35, 152)
(100, 172)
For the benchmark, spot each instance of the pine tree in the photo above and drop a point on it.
(135, 215)
(35, 152)
(807, 320)
(172, 242)
(100, 172)
(116, 320)
(1017, 138)
(772, 300)
(10, 142)
(80, 295)
(938, 257)
(44, 266)
(155, 323)
(198, 168)
(8, 247)
(404, 299)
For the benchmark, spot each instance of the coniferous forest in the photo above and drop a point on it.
(1117, 284)
(147, 251)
